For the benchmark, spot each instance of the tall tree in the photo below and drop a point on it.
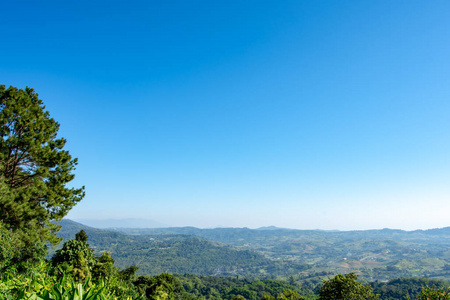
(34, 167)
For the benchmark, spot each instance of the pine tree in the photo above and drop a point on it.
(34, 167)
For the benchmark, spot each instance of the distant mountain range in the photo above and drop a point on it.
(271, 251)
(121, 223)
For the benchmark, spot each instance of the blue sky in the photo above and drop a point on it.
(300, 114)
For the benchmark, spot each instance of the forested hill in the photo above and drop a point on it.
(177, 253)
(239, 236)
(375, 254)
(309, 255)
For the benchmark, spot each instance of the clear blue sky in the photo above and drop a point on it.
(300, 114)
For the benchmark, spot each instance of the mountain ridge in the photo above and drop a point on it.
(374, 254)
(158, 225)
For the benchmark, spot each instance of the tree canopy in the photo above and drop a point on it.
(430, 293)
(34, 167)
(345, 287)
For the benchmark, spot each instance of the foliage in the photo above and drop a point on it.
(81, 236)
(211, 287)
(42, 286)
(34, 171)
(75, 257)
(290, 295)
(163, 286)
(345, 287)
(18, 251)
(430, 293)
(128, 274)
(104, 267)
(405, 288)
(73, 273)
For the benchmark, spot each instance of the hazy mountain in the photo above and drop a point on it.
(121, 223)
(269, 228)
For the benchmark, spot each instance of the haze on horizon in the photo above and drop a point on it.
(146, 224)
(297, 114)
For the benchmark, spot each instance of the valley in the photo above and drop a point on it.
(306, 256)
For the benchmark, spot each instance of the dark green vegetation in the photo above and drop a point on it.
(211, 287)
(402, 288)
(34, 171)
(345, 287)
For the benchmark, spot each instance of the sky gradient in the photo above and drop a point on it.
(299, 114)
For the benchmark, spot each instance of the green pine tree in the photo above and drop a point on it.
(34, 172)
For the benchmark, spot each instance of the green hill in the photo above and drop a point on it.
(177, 253)
(309, 255)
(374, 254)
